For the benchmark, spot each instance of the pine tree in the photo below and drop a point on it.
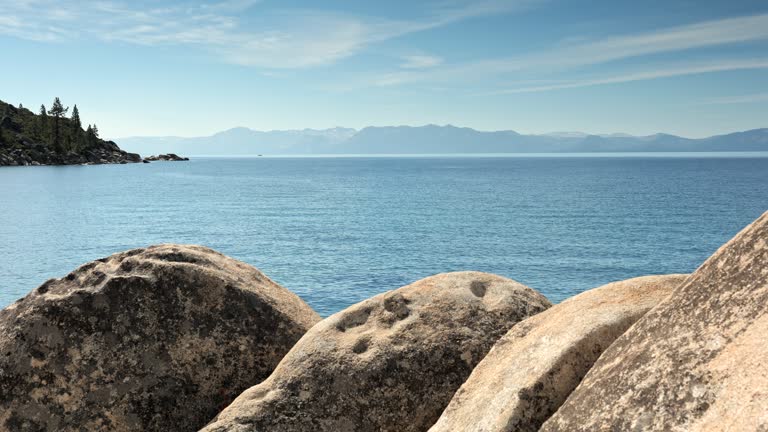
(89, 137)
(76, 134)
(43, 123)
(92, 135)
(57, 111)
(76, 118)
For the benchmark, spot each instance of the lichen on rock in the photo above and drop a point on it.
(152, 339)
(390, 363)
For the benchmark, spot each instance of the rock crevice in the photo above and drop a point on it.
(534, 367)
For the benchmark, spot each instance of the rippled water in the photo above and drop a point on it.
(339, 230)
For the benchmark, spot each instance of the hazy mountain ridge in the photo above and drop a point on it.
(435, 139)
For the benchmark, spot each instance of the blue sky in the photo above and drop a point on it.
(190, 68)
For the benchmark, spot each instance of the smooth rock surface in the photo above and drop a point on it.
(154, 339)
(390, 363)
(531, 370)
(696, 362)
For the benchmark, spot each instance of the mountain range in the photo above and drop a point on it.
(433, 139)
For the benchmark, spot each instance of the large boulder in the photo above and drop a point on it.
(696, 362)
(151, 339)
(531, 370)
(390, 363)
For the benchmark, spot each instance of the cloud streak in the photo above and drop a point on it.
(420, 61)
(271, 39)
(569, 56)
(680, 38)
(718, 66)
(743, 99)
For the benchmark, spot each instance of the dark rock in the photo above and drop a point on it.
(390, 363)
(166, 157)
(44, 155)
(9, 124)
(153, 339)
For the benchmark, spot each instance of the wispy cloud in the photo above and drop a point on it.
(718, 66)
(565, 56)
(420, 61)
(272, 39)
(680, 38)
(742, 99)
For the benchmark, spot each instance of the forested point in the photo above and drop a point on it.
(52, 127)
(54, 136)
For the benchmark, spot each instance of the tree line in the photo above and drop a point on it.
(53, 127)
(63, 136)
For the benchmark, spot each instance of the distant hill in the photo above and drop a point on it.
(27, 138)
(244, 141)
(435, 139)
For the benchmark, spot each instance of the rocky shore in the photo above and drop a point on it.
(182, 338)
(30, 154)
(51, 138)
(172, 157)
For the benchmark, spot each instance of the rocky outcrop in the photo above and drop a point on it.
(153, 339)
(532, 369)
(696, 362)
(31, 153)
(390, 363)
(165, 157)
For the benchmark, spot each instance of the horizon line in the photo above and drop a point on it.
(556, 133)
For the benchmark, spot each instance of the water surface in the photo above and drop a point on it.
(337, 230)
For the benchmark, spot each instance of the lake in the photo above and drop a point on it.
(337, 230)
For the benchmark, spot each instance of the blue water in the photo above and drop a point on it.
(339, 230)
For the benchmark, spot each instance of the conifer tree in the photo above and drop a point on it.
(43, 123)
(89, 137)
(57, 111)
(76, 134)
(76, 118)
(92, 135)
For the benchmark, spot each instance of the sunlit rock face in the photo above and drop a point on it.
(532, 369)
(696, 362)
(153, 339)
(390, 363)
